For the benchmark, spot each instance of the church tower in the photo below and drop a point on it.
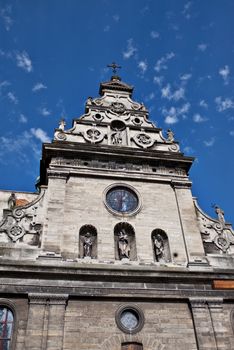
(114, 252)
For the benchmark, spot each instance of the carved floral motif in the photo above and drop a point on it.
(93, 135)
(143, 140)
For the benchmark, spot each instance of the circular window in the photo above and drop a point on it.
(118, 125)
(129, 319)
(121, 199)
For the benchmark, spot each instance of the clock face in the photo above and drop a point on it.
(129, 319)
(122, 199)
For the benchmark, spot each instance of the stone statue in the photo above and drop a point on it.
(89, 101)
(220, 214)
(87, 245)
(12, 201)
(62, 124)
(123, 245)
(116, 138)
(158, 247)
(170, 135)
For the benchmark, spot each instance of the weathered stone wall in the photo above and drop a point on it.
(80, 201)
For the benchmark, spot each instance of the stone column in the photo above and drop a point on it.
(57, 305)
(36, 319)
(203, 326)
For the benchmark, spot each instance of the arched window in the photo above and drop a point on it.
(125, 243)
(160, 245)
(131, 346)
(6, 327)
(88, 242)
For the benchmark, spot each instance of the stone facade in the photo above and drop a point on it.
(113, 252)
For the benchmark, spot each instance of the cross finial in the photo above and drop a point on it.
(114, 67)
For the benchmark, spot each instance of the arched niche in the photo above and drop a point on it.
(88, 242)
(125, 242)
(160, 244)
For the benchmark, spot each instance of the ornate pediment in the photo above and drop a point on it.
(217, 235)
(20, 222)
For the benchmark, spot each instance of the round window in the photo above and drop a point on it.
(122, 199)
(129, 319)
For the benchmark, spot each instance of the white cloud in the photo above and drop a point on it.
(150, 97)
(198, 118)
(203, 103)
(185, 77)
(188, 149)
(224, 104)
(116, 18)
(12, 97)
(143, 66)
(44, 111)
(186, 10)
(172, 115)
(3, 85)
(23, 61)
(184, 109)
(209, 143)
(40, 134)
(231, 133)
(38, 86)
(130, 51)
(154, 34)
(106, 28)
(5, 14)
(161, 63)
(158, 80)
(175, 96)
(202, 47)
(171, 119)
(224, 72)
(23, 119)
(22, 146)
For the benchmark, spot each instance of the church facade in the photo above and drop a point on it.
(113, 252)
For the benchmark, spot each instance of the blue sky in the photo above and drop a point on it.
(178, 55)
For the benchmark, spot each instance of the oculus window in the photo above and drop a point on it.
(129, 319)
(121, 199)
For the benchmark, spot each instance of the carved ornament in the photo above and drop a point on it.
(143, 140)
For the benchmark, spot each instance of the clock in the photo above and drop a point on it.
(122, 199)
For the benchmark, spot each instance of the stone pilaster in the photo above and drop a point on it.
(54, 222)
(215, 306)
(36, 319)
(188, 221)
(203, 326)
(57, 305)
(45, 321)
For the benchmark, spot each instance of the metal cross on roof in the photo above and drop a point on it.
(114, 67)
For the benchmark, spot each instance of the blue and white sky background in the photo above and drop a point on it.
(178, 55)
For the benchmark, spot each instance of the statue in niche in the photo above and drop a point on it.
(116, 138)
(87, 245)
(220, 214)
(123, 245)
(12, 201)
(170, 135)
(159, 247)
